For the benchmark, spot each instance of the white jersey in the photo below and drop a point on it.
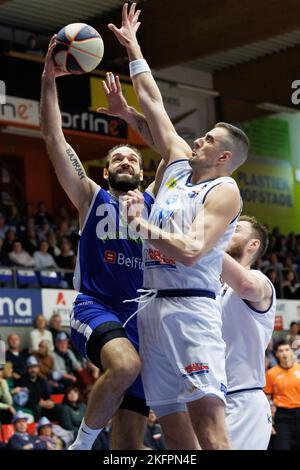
(177, 204)
(247, 333)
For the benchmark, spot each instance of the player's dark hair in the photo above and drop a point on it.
(260, 231)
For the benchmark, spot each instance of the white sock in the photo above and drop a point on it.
(85, 438)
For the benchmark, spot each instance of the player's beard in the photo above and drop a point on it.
(117, 182)
(235, 251)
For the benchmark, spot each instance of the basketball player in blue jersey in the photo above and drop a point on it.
(248, 312)
(194, 216)
(108, 270)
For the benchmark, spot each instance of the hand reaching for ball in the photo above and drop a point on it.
(51, 71)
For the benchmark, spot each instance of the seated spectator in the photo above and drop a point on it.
(55, 326)
(293, 334)
(42, 214)
(47, 434)
(4, 259)
(54, 250)
(65, 362)
(72, 410)
(153, 438)
(3, 226)
(39, 333)
(20, 257)
(32, 46)
(289, 264)
(31, 223)
(15, 219)
(274, 278)
(291, 288)
(45, 360)
(42, 258)
(8, 374)
(9, 240)
(7, 411)
(30, 241)
(274, 262)
(16, 356)
(63, 230)
(65, 260)
(21, 440)
(39, 397)
(44, 230)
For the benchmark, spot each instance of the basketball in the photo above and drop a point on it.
(79, 48)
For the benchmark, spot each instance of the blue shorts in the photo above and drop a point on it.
(90, 313)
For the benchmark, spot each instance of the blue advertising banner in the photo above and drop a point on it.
(19, 307)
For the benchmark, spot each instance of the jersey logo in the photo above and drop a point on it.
(110, 256)
(172, 182)
(197, 368)
(155, 258)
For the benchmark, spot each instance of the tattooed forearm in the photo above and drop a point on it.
(144, 130)
(76, 163)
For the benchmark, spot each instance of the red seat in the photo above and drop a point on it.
(7, 430)
(57, 398)
(31, 428)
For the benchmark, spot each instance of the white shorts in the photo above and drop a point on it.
(182, 350)
(249, 420)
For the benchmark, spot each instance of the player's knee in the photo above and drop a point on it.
(125, 370)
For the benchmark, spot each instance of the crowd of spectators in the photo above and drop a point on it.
(43, 242)
(281, 264)
(39, 241)
(44, 389)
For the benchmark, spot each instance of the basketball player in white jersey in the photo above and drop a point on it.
(248, 315)
(183, 354)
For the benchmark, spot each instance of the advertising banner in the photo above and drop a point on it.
(19, 307)
(58, 301)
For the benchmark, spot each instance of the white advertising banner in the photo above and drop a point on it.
(20, 111)
(286, 312)
(58, 301)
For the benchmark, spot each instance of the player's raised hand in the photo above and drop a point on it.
(51, 71)
(130, 24)
(117, 104)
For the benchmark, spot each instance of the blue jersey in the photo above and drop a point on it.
(109, 264)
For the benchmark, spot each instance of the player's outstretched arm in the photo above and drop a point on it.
(168, 143)
(118, 106)
(249, 285)
(67, 165)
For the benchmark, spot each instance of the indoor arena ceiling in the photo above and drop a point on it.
(252, 40)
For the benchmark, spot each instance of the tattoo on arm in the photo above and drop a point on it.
(76, 163)
(144, 130)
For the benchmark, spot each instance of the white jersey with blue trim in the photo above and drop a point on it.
(177, 204)
(247, 333)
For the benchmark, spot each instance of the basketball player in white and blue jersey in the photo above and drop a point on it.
(108, 270)
(181, 346)
(248, 314)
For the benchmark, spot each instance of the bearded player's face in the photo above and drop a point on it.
(239, 239)
(124, 171)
